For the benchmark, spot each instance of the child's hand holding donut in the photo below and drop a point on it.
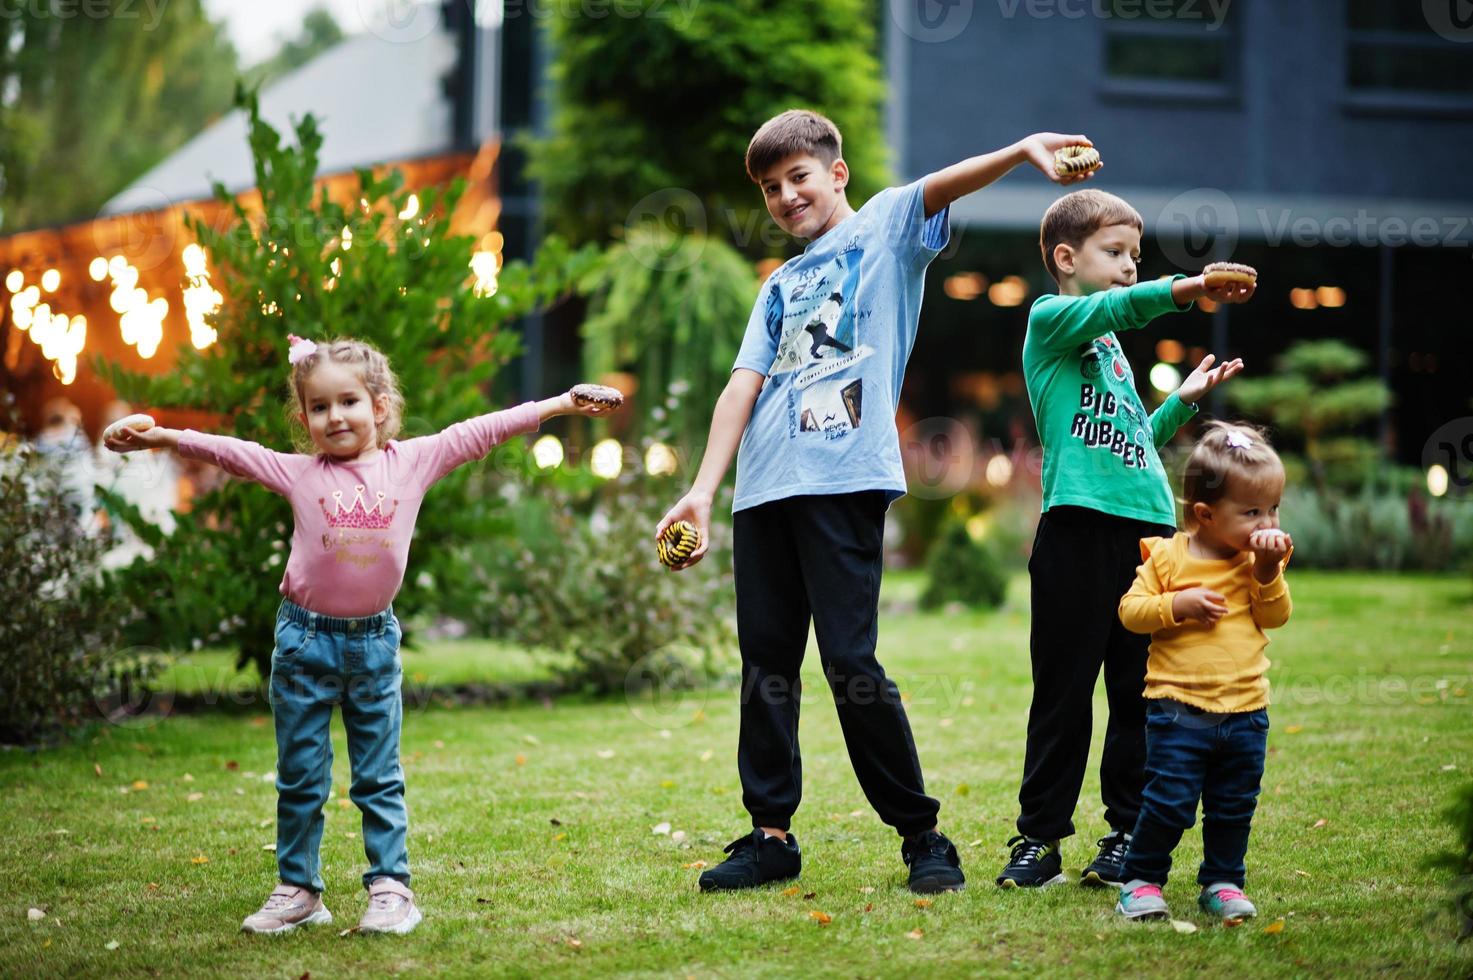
(1202, 605)
(1270, 547)
(136, 432)
(591, 399)
(1229, 282)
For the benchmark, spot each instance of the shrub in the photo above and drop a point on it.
(585, 584)
(962, 569)
(59, 633)
(1378, 530)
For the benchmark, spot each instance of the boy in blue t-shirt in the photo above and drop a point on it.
(812, 401)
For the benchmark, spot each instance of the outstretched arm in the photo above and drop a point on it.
(975, 173)
(733, 410)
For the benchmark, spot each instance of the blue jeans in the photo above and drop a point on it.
(1193, 755)
(321, 661)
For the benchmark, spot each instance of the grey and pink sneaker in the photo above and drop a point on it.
(286, 908)
(1226, 901)
(391, 908)
(1142, 900)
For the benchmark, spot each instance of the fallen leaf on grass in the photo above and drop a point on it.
(694, 864)
(915, 934)
(975, 843)
(140, 784)
(344, 804)
(963, 789)
(269, 847)
(869, 906)
(661, 828)
(46, 944)
(790, 892)
(97, 769)
(678, 837)
(1293, 729)
(667, 784)
(605, 753)
(114, 944)
(35, 915)
(1183, 926)
(946, 722)
(439, 743)
(232, 766)
(810, 896)
(531, 739)
(706, 755)
(1302, 874)
(194, 797)
(199, 859)
(822, 918)
(1319, 823)
(1275, 927)
(146, 820)
(561, 836)
(347, 932)
(521, 759)
(187, 778)
(923, 903)
(572, 943)
(866, 889)
(351, 835)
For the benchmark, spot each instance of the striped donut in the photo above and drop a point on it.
(1073, 160)
(679, 541)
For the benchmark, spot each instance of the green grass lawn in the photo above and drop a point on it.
(533, 846)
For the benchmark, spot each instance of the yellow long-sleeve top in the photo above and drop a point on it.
(1221, 667)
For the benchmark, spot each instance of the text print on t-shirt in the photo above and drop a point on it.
(1104, 421)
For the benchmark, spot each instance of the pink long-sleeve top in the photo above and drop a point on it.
(354, 519)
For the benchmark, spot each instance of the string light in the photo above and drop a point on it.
(411, 208)
(547, 452)
(140, 320)
(200, 298)
(607, 459)
(484, 266)
(659, 460)
(60, 338)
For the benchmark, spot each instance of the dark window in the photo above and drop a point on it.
(1171, 42)
(1394, 47)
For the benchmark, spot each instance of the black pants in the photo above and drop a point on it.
(819, 558)
(1083, 562)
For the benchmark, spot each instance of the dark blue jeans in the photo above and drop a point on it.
(1190, 756)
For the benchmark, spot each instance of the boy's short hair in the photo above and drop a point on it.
(794, 131)
(1229, 456)
(1074, 217)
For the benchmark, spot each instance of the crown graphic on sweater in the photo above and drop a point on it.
(358, 514)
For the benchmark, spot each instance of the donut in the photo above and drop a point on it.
(598, 395)
(678, 542)
(1221, 273)
(1072, 160)
(138, 422)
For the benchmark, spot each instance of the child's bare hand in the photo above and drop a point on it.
(1230, 292)
(1206, 377)
(1270, 547)
(132, 440)
(1040, 149)
(1202, 605)
(590, 399)
(696, 508)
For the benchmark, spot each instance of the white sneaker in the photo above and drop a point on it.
(286, 908)
(391, 908)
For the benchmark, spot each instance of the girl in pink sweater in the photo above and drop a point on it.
(337, 640)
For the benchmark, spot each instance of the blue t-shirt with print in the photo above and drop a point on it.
(831, 331)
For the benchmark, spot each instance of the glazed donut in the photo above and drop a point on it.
(597, 395)
(137, 422)
(1221, 273)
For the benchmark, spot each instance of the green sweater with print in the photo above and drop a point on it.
(1099, 445)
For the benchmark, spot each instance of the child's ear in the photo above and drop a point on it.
(840, 172)
(1064, 258)
(380, 409)
(1202, 513)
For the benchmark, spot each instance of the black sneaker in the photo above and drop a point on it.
(1034, 863)
(755, 860)
(1108, 868)
(934, 866)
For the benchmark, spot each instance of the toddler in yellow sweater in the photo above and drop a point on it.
(1206, 595)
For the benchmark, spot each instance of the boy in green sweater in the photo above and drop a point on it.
(1104, 489)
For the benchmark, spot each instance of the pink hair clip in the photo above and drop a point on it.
(301, 349)
(1238, 440)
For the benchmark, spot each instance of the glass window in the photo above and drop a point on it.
(1194, 59)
